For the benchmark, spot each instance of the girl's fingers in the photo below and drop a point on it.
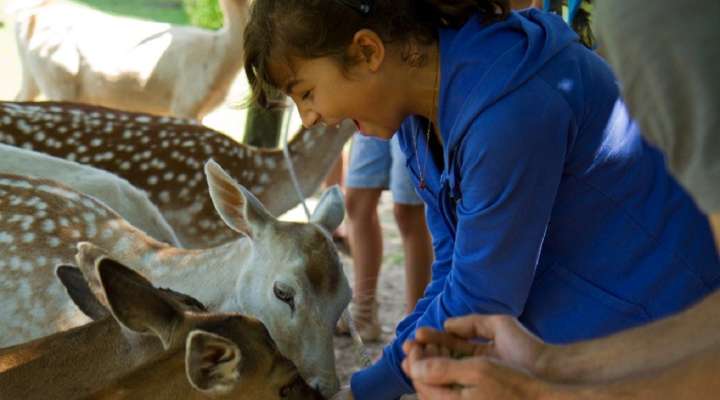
(457, 347)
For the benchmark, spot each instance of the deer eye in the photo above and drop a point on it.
(285, 294)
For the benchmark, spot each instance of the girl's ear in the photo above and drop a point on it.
(368, 48)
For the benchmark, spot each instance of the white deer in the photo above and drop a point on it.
(117, 193)
(163, 156)
(156, 345)
(74, 53)
(288, 275)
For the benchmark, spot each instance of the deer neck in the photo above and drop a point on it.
(73, 361)
(162, 378)
(205, 274)
(234, 17)
(313, 152)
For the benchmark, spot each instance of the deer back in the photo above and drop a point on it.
(164, 156)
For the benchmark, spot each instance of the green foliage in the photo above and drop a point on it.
(204, 13)
(155, 10)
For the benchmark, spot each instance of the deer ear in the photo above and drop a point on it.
(212, 362)
(240, 210)
(330, 210)
(80, 293)
(135, 303)
(86, 259)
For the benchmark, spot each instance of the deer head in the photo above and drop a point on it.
(224, 354)
(288, 275)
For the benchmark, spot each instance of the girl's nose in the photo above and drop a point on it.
(309, 118)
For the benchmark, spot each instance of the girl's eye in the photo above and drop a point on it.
(306, 95)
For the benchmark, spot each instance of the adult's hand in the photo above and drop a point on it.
(504, 339)
(440, 377)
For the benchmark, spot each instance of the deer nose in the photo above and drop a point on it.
(328, 386)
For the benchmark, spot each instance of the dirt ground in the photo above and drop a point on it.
(230, 120)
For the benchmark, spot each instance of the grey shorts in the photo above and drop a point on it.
(380, 164)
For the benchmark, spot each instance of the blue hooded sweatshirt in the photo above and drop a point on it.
(546, 204)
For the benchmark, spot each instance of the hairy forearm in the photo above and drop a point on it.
(694, 377)
(639, 350)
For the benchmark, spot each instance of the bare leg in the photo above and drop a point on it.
(335, 177)
(417, 245)
(365, 241)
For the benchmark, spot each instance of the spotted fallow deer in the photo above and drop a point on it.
(286, 274)
(163, 156)
(73, 53)
(157, 344)
(117, 193)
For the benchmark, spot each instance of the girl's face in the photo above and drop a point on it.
(324, 93)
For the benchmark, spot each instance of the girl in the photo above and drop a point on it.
(542, 198)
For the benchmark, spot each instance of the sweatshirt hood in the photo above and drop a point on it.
(481, 63)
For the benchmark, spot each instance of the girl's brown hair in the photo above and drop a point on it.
(280, 30)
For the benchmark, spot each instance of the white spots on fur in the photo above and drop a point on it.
(20, 184)
(164, 196)
(27, 222)
(96, 142)
(82, 149)
(123, 245)
(15, 262)
(56, 190)
(41, 260)
(91, 231)
(6, 238)
(158, 164)
(53, 242)
(188, 143)
(152, 180)
(6, 120)
(258, 189)
(168, 176)
(108, 155)
(270, 163)
(64, 222)
(28, 237)
(48, 226)
(39, 136)
(143, 119)
(181, 178)
(125, 165)
(127, 135)
(258, 161)
(107, 233)
(264, 178)
(23, 126)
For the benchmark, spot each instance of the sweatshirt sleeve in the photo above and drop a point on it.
(510, 164)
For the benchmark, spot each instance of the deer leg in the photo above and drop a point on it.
(29, 89)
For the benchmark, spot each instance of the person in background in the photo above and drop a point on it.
(669, 75)
(542, 198)
(376, 165)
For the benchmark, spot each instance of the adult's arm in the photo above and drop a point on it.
(480, 378)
